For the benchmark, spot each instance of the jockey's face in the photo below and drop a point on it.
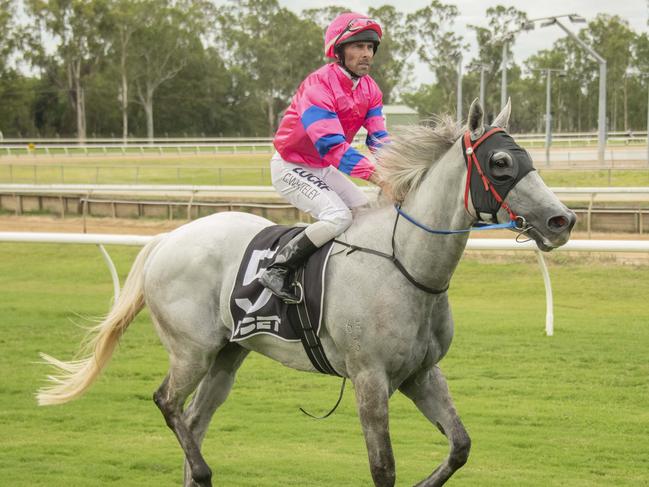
(359, 57)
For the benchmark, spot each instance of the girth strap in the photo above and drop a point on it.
(301, 324)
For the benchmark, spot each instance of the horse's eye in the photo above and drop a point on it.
(502, 166)
(502, 159)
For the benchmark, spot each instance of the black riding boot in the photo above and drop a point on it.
(276, 275)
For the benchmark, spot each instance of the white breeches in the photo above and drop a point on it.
(322, 192)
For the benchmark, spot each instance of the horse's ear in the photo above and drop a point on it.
(475, 121)
(502, 120)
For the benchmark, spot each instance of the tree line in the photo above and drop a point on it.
(123, 68)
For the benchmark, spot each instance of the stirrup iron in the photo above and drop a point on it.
(297, 285)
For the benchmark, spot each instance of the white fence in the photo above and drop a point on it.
(623, 147)
(473, 244)
(610, 193)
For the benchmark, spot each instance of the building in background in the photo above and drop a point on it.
(399, 115)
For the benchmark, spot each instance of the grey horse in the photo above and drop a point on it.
(387, 335)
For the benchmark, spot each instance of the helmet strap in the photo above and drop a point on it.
(340, 56)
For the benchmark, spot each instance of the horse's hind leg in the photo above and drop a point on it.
(429, 391)
(372, 396)
(212, 392)
(185, 372)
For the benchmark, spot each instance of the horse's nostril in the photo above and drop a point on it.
(558, 223)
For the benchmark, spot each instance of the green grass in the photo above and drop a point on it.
(595, 178)
(567, 410)
(236, 170)
(217, 169)
(556, 143)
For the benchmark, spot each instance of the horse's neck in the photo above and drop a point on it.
(439, 204)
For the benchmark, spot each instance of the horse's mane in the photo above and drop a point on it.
(403, 163)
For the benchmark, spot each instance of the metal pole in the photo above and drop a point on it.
(647, 77)
(549, 302)
(459, 89)
(113, 272)
(548, 117)
(503, 78)
(601, 121)
(482, 86)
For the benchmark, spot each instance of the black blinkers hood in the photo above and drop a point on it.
(484, 201)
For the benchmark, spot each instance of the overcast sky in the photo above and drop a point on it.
(472, 12)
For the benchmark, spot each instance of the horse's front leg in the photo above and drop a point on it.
(429, 391)
(372, 401)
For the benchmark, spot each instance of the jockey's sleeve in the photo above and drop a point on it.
(374, 123)
(321, 124)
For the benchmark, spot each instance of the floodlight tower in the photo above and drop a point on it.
(548, 108)
(503, 76)
(574, 18)
(483, 70)
(459, 88)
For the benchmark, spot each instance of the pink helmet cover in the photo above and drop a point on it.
(345, 26)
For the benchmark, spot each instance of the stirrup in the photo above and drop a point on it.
(301, 295)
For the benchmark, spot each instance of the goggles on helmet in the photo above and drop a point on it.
(354, 25)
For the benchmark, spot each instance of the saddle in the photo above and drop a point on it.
(255, 310)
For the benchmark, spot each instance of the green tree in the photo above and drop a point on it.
(161, 48)
(323, 16)
(639, 82)
(7, 33)
(612, 38)
(78, 29)
(197, 101)
(391, 68)
(439, 47)
(126, 17)
(274, 46)
(502, 22)
(427, 99)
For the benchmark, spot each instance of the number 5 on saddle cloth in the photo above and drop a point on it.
(255, 310)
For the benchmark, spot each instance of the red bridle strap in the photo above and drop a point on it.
(472, 160)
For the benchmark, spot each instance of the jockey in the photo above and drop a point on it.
(313, 143)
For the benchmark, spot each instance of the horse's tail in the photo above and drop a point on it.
(73, 378)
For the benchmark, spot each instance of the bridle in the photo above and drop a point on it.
(472, 161)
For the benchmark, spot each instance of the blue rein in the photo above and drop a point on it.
(481, 226)
(392, 257)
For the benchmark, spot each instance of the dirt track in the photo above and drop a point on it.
(93, 225)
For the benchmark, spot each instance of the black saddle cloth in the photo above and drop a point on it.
(256, 310)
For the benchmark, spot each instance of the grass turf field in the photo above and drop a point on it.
(567, 410)
(227, 169)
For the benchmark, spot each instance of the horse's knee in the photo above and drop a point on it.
(460, 450)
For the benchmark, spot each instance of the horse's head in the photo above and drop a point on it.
(503, 184)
